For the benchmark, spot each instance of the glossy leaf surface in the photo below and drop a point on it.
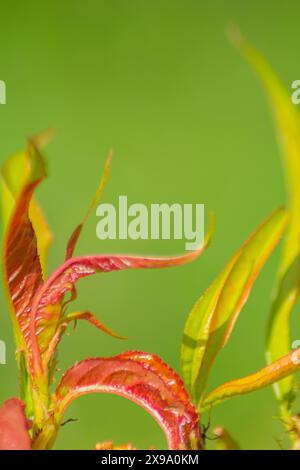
(143, 378)
(46, 307)
(22, 268)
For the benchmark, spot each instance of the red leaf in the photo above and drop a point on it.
(23, 270)
(46, 306)
(143, 378)
(90, 317)
(74, 317)
(13, 426)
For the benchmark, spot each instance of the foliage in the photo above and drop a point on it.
(39, 307)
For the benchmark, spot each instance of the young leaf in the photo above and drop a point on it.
(211, 321)
(43, 234)
(140, 377)
(22, 268)
(76, 233)
(46, 306)
(287, 122)
(274, 372)
(13, 426)
(90, 317)
(49, 353)
(13, 176)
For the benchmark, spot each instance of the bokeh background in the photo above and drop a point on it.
(158, 82)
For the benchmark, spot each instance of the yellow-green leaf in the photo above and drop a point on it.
(274, 372)
(287, 122)
(212, 319)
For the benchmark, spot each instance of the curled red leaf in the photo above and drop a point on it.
(22, 267)
(143, 378)
(46, 306)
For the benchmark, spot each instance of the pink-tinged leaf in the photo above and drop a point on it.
(69, 253)
(90, 317)
(64, 322)
(76, 234)
(22, 267)
(142, 378)
(13, 426)
(46, 306)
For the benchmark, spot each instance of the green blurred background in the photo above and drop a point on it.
(157, 81)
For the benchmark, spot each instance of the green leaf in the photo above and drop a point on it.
(270, 374)
(212, 319)
(287, 122)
